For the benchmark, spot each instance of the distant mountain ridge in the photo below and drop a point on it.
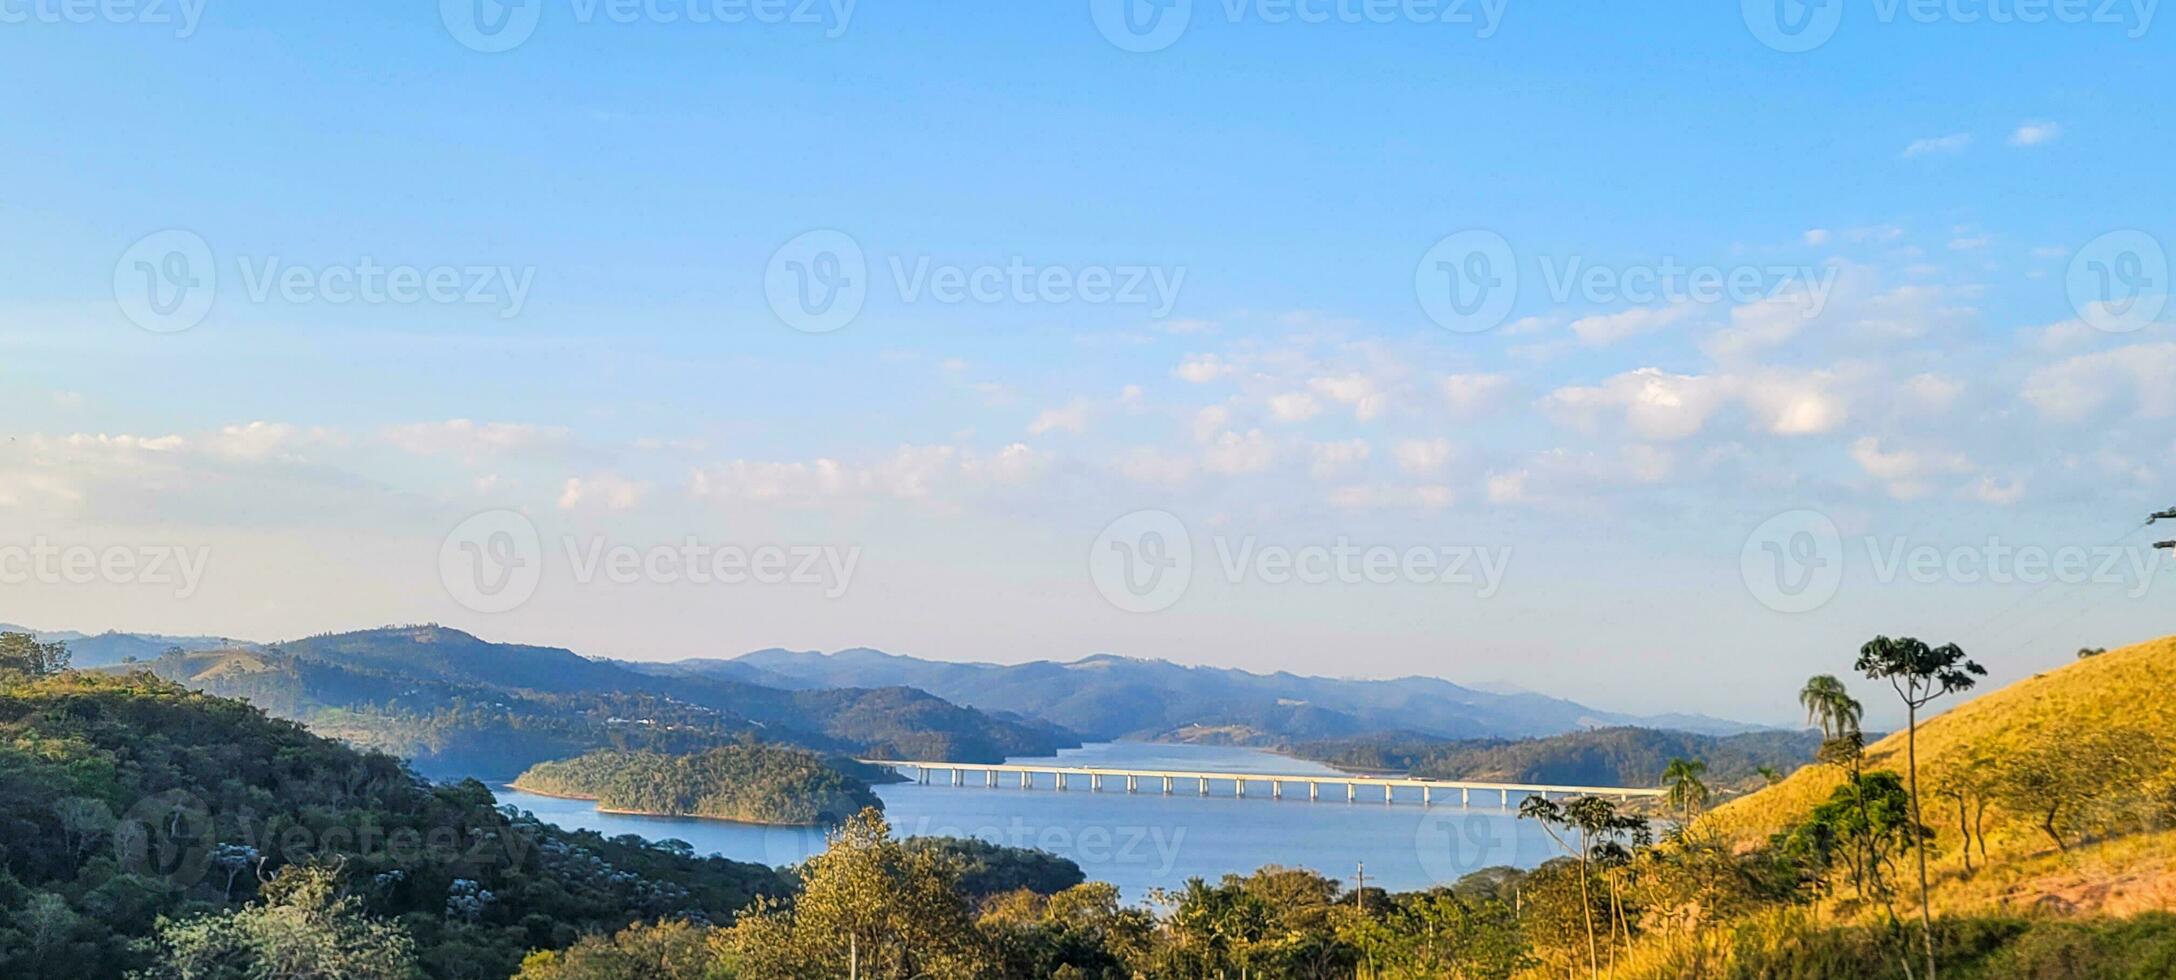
(89, 650)
(1106, 696)
(459, 705)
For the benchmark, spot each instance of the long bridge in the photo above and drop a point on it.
(992, 774)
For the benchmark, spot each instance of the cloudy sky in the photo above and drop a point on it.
(1646, 361)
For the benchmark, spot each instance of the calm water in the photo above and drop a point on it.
(1148, 840)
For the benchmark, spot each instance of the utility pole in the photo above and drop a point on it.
(1360, 888)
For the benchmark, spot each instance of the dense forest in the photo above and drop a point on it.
(749, 781)
(1598, 757)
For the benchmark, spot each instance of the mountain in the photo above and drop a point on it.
(460, 705)
(87, 650)
(1106, 696)
(1619, 756)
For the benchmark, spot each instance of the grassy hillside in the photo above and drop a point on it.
(2130, 686)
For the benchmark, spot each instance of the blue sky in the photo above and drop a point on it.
(1939, 182)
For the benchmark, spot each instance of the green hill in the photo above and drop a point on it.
(125, 799)
(1622, 756)
(748, 782)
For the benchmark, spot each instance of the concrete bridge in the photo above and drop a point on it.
(1163, 780)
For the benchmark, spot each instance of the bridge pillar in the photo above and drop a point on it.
(1026, 780)
(1427, 796)
(990, 778)
(1276, 790)
(1132, 784)
(1095, 782)
(1061, 780)
(1386, 794)
(1204, 781)
(1352, 792)
(958, 777)
(921, 775)
(1314, 791)
(1465, 796)
(1239, 788)
(1167, 786)
(1507, 799)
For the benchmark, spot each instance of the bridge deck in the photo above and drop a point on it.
(1388, 782)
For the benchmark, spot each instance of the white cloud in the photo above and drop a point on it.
(1653, 403)
(1788, 404)
(1937, 144)
(2143, 375)
(1373, 497)
(609, 489)
(1073, 417)
(1422, 457)
(1905, 473)
(1297, 406)
(1932, 392)
(1209, 420)
(1815, 236)
(1335, 459)
(1356, 390)
(1149, 466)
(910, 473)
(1231, 453)
(469, 439)
(1605, 329)
(1202, 368)
(1474, 395)
(2035, 133)
(1992, 491)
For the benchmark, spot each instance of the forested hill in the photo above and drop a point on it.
(1121, 697)
(1623, 756)
(124, 799)
(458, 705)
(749, 782)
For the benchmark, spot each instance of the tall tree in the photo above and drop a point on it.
(1919, 674)
(1829, 705)
(1687, 792)
(23, 657)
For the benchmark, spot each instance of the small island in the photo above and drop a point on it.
(749, 782)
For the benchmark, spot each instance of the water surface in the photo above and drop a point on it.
(1147, 840)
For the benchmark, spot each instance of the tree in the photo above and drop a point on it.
(305, 929)
(1919, 674)
(1687, 793)
(22, 657)
(2077, 779)
(869, 908)
(1593, 832)
(1829, 705)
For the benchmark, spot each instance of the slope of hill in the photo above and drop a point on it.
(124, 799)
(1618, 756)
(459, 705)
(1113, 697)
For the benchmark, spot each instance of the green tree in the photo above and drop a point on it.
(1919, 674)
(2076, 779)
(305, 929)
(868, 908)
(1687, 792)
(666, 950)
(1830, 705)
(22, 657)
(1593, 832)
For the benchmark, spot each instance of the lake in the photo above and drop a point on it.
(1146, 840)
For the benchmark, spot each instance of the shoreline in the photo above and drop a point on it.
(617, 812)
